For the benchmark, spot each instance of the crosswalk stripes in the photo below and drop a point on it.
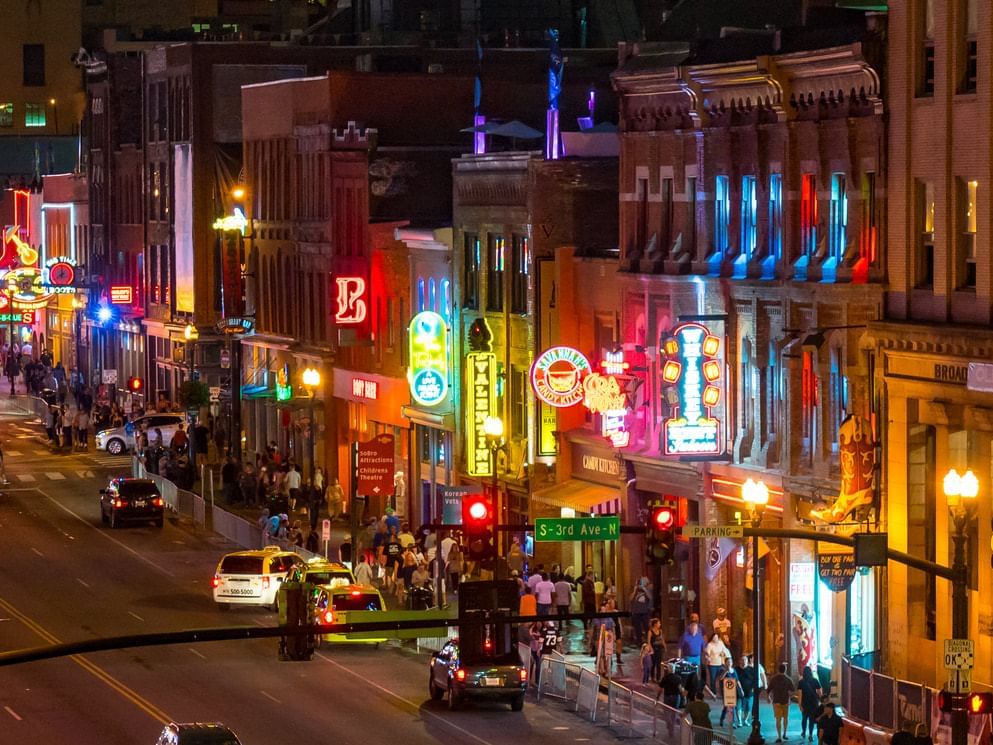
(26, 477)
(14, 453)
(85, 474)
(55, 476)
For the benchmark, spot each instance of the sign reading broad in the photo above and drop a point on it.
(577, 528)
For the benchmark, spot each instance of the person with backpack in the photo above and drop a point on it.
(640, 605)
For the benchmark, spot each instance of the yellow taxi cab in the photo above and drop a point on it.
(348, 604)
(252, 577)
(320, 571)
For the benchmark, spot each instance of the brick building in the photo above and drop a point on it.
(935, 348)
(751, 205)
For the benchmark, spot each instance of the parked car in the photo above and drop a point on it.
(131, 500)
(197, 733)
(482, 676)
(120, 440)
(252, 577)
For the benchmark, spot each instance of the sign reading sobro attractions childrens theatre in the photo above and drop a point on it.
(694, 370)
(428, 372)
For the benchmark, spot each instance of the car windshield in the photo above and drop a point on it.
(361, 601)
(335, 579)
(241, 565)
(137, 489)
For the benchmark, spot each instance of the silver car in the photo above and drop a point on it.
(120, 440)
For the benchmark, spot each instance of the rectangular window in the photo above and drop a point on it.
(641, 227)
(34, 115)
(869, 239)
(518, 403)
(722, 213)
(921, 528)
(808, 396)
(153, 275)
(690, 243)
(522, 270)
(494, 285)
(924, 217)
(470, 273)
(665, 223)
(6, 115)
(925, 85)
(969, 47)
(808, 215)
(34, 65)
(967, 240)
(749, 217)
(838, 230)
(776, 215)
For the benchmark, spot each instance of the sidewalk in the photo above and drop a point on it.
(575, 647)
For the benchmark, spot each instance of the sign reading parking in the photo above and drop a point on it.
(713, 531)
(960, 654)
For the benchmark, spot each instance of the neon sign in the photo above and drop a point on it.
(603, 395)
(428, 373)
(26, 289)
(26, 316)
(233, 222)
(693, 367)
(365, 389)
(557, 376)
(121, 295)
(60, 275)
(284, 390)
(352, 306)
(14, 247)
(480, 404)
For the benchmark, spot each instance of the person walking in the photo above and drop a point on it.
(722, 626)
(335, 498)
(748, 679)
(810, 701)
(780, 690)
(528, 605)
(589, 597)
(715, 654)
(363, 572)
(698, 711)
(655, 639)
(544, 592)
(691, 643)
(515, 557)
(315, 499)
(829, 725)
(453, 567)
(563, 597)
(640, 604)
(671, 687)
(83, 428)
(728, 673)
(292, 480)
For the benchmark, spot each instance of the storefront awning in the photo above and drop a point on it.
(256, 391)
(582, 496)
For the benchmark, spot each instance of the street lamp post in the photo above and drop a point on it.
(493, 429)
(311, 380)
(756, 496)
(190, 334)
(960, 495)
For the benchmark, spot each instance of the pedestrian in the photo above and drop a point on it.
(780, 690)
(829, 725)
(810, 700)
(656, 642)
(691, 643)
(544, 591)
(248, 486)
(314, 501)
(645, 658)
(535, 578)
(83, 428)
(671, 687)
(336, 499)
(640, 604)
(229, 477)
(363, 572)
(453, 567)
(65, 421)
(722, 626)
(536, 641)
(528, 605)
(515, 557)
(699, 713)
(292, 479)
(728, 673)
(715, 653)
(589, 598)
(748, 678)
(563, 597)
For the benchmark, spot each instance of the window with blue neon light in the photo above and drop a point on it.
(722, 213)
(776, 215)
(432, 295)
(838, 235)
(420, 295)
(446, 299)
(749, 216)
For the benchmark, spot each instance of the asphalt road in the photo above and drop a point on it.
(65, 577)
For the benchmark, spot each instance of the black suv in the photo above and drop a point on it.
(127, 499)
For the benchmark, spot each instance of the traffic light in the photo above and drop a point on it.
(136, 385)
(972, 703)
(661, 534)
(478, 520)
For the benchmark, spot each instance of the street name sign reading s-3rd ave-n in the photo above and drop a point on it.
(577, 528)
(713, 531)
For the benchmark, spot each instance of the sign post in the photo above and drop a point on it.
(960, 658)
(375, 466)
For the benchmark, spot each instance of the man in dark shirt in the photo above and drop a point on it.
(780, 689)
(671, 686)
(829, 725)
(699, 713)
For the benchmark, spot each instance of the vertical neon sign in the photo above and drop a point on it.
(694, 368)
(480, 404)
(428, 372)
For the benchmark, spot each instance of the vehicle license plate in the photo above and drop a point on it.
(139, 503)
(492, 681)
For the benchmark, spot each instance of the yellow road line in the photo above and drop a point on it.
(93, 669)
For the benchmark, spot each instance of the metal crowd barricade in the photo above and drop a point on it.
(553, 678)
(588, 693)
(236, 529)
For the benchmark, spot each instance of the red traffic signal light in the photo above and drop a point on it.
(980, 703)
(478, 522)
(661, 539)
(973, 703)
(136, 385)
(476, 510)
(663, 518)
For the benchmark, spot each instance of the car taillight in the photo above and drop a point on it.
(265, 583)
(523, 675)
(215, 581)
(118, 502)
(460, 674)
(328, 616)
(157, 501)
(488, 644)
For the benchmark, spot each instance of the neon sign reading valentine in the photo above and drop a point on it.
(480, 404)
(428, 372)
(351, 303)
(557, 376)
(693, 367)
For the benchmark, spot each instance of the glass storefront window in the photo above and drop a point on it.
(861, 614)
(823, 631)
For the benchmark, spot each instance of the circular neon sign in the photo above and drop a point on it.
(557, 376)
(26, 288)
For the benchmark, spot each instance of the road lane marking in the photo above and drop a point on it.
(270, 697)
(12, 713)
(261, 623)
(82, 583)
(26, 477)
(416, 708)
(55, 476)
(135, 615)
(198, 654)
(14, 453)
(95, 670)
(37, 552)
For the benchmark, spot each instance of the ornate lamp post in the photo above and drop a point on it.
(311, 381)
(756, 496)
